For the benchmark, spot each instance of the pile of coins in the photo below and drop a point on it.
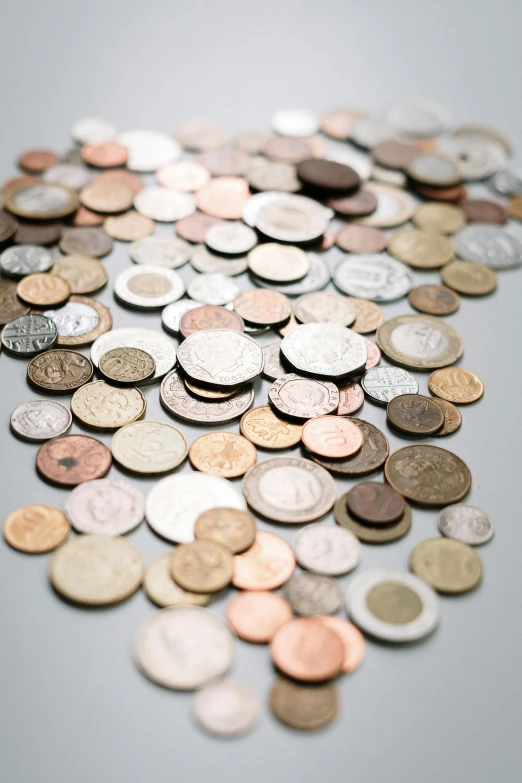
(319, 199)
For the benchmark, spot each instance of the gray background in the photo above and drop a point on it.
(73, 706)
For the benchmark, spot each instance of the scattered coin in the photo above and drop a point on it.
(232, 238)
(8, 226)
(421, 342)
(35, 529)
(256, 616)
(325, 350)
(90, 242)
(264, 428)
(428, 475)
(99, 405)
(369, 315)
(478, 157)
(222, 454)
(469, 278)
(59, 371)
(148, 150)
(207, 393)
(223, 197)
(37, 161)
(93, 130)
(28, 335)
(420, 249)
(394, 154)
(317, 277)
(194, 227)
(303, 707)
(324, 307)
(201, 566)
(213, 289)
(332, 437)
(226, 708)
(352, 639)
(359, 204)
(415, 414)
(164, 205)
(278, 263)
(447, 565)
(293, 219)
(452, 418)
(69, 175)
(262, 307)
(251, 142)
(439, 218)
(514, 207)
(326, 549)
(10, 305)
(43, 290)
(287, 149)
(161, 588)
(172, 314)
(231, 527)
(148, 447)
(208, 317)
(374, 354)
(303, 398)
(507, 182)
(127, 365)
(108, 507)
(273, 368)
(121, 177)
(222, 357)
(152, 342)
(84, 275)
(183, 175)
(41, 201)
(394, 206)
(40, 420)
(307, 650)
(382, 384)
(468, 524)
(80, 321)
(313, 594)
(129, 227)
(328, 175)
(456, 385)
(434, 299)
(178, 400)
(200, 136)
(208, 263)
(369, 533)
(266, 565)
(148, 287)
(351, 399)
(431, 168)
(360, 239)
(375, 503)
(107, 197)
(274, 176)
(25, 260)
(376, 277)
(295, 122)
(489, 245)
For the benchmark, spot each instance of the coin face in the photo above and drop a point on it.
(222, 454)
(447, 565)
(183, 175)
(22, 260)
(208, 263)
(331, 436)
(431, 168)
(223, 197)
(222, 357)
(308, 651)
(359, 204)
(161, 588)
(81, 321)
(313, 594)
(149, 447)
(93, 130)
(456, 385)
(369, 315)
(415, 414)
(294, 219)
(382, 384)
(43, 290)
(105, 154)
(303, 398)
(213, 289)
(303, 707)
(268, 564)
(164, 251)
(324, 350)
(255, 616)
(10, 305)
(467, 524)
(352, 639)
(226, 708)
(127, 365)
(200, 136)
(28, 335)
(329, 550)
(209, 317)
(8, 227)
(434, 300)
(317, 277)
(328, 175)
(149, 340)
(262, 307)
(324, 307)
(40, 420)
(107, 197)
(148, 287)
(428, 475)
(108, 507)
(72, 459)
(469, 278)
(86, 241)
(489, 245)
(232, 238)
(420, 249)
(376, 277)
(179, 401)
(420, 341)
(201, 566)
(371, 457)
(164, 205)
(273, 368)
(83, 274)
(41, 201)
(368, 533)
(278, 263)
(231, 527)
(274, 176)
(452, 418)
(70, 175)
(439, 218)
(36, 529)
(172, 314)
(264, 428)
(102, 406)
(59, 371)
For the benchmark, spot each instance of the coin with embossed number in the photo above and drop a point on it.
(447, 565)
(102, 506)
(468, 524)
(35, 529)
(59, 371)
(40, 420)
(127, 365)
(371, 457)
(222, 357)
(28, 335)
(43, 290)
(456, 385)
(102, 406)
(327, 549)
(303, 398)
(149, 447)
(428, 475)
(331, 436)
(222, 454)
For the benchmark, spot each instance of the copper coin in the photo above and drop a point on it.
(43, 290)
(359, 204)
(59, 371)
(452, 418)
(482, 211)
(10, 305)
(360, 239)
(35, 529)
(369, 315)
(332, 436)
(130, 179)
(262, 307)
(129, 227)
(106, 155)
(376, 503)
(370, 458)
(256, 616)
(210, 317)
(374, 354)
(324, 243)
(232, 527)
(305, 649)
(208, 394)
(428, 474)
(328, 175)
(72, 459)
(351, 399)
(415, 414)
(434, 299)
(351, 637)
(394, 154)
(15, 182)
(37, 161)
(372, 534)
(514, 207)
(90, 242)
(285, 149)
(202, 566)
(456, 193)
(194, 227)
(268, 564)
(107, 198)
(39, 233)
(224, 197)
(224, 454)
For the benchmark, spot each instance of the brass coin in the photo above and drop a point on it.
(232, 527)
(107, 407)
(10, 305)
(149, 447)
(303, 707)
(469, 277)
(43, 290)
(420, 342)
(415, 414)
(81, 321)
(369, 315)
(439, 218)
(203, 566)
(210, 394)
(161, 588)
(35, 529)
(41, 201)
(371, 457)
(372, 534)
(434, 299)
(393, 602)
(264, 428)
(59, 371)
(420, 249)
(127, 365)
(107, 197)
(84, 275)
(449, 566)
(222, 454)
(452, 418)
(456, 385)
(428, 475)
(129, 227)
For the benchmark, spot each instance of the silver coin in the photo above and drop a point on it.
(41, 420)
(92, 130)
(382, 384)
(436, 170)
(323, 307)
(293, 219)
(507, 182)
(468, 524)
(183, 405)
(303, 398)
(29, 335)
(213, 289)
(208, 263)
(368, 132)
(312, 594)
(388, 176)
(169, 252)
(156, 344)
(230, 237)
(226, 708)
(327, 549)
(272, 176)
(148, 287)
(102, 506)
(255, 203)
(418, 121)
(184, 647)
(295, 122)
(68, 175)
(74, 319)
(325, 350)
(22, 260)
(273, 368)
(478, 157)
(172, 314)
(316, 278)
(174, 503)
(373, 276)
(488, 244)
(221, 357)
(163, 204)
(149, 150)
(394, 207)
(416, 618)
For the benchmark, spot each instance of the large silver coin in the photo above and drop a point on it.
(478, 157)
(507, 182)
(294, 219)
(382, 384)
(226, 708)
(488, 244)
(468, 524)
(156, 344)
(148, 287)
(149, 150)
(168, 252)
(327, 549)
(213, 289)
(323, 307)
(172, 314)
(176, 398)
(29, 335)
(102, 506)
(207, 263)
(316, 278)
(22, 260)
(325, 350)
(256, 202)
(40, 420)
(373, 276)
(221, 357)
(311, 594)
(184, 647)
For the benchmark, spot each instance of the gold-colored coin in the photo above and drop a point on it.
(263, 428)
(514, 207)
(369, 315)
(129, 227)
(43, 290)
(420, 342)
(289, 327)
(202, 566)
(35, 529)
(393, 602)
(84, 275)
(127, 365)
(161, 588)
(99, 405)
(208, 394)
(449, 566)
(456, 385)
(222, 454)
(149, 447)
(420, 249)
(439, 218)
(107, 197)
(469, 277)
(303, 707)
(232, 527)
(452, 418)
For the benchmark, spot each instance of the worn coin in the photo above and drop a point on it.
(161, 588)
(369, 316)
(483, 211)
(375, 503)
(307, 650)
(28, 335)
(359, 204)
(382, 384)
(231, 238)
(447, 565)
(149, 340)
(99, 405)
(41, 233)
(439, 218)
(70, 175)
(262, 307)
(164, 205)
(208, 394)
(469, 278)
(326, 549)
(84, 275)
(222, 454)
(415, 414)
(324, 307)
(108, 507)
(325, 350)
(478, 156)
(226, 708)
(122, 177)
(351, 399)
(274, 176)
(213, 289)
(468, 524)
(25, 260)
(107, 197)
(303, 707)
(40, 420)
(42, 201)
(148, 447)
(420, 249)
(59, 371)
(129, 227)
(421, 342)
(222, 357)
(81, 321)
(148, 287)
(434, 299)
(194, 227)
(208, 317)
(43, 290)
(368, 533)
(266, 565)
(164, 251)
(303, 398)
(172, 314)
(223, 197)
(332, 437)
(127, 365)
(489, 245)
(313, 594)
(452, 418)
(10, 305)
(179, 401)
(317, 277)
(376, 277)
(37, 161)
(255, 616)
(91, 242)
(428, 475)
(360, 239)
(264, 428)
(231, 527)
(35, 529)
(287, 149)
(278, 263)
(456, 385)
(201, 566)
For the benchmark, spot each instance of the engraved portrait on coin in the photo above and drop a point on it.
(325, 349)
(221, 356)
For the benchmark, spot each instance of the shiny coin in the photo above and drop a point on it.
(371, 457)
(382, 384)
(222, 357)
(69, 175)
(415, 414)
(295, 122)
(274, 176)
(152, 342)
(161, 588)
(507, 182)
(164, 251)
(172, 314)
(183, 175)
(148, 447)
(359, 204)
(25, 260)
(439, 218)
(452, 418)
(294, 219)
(84, 275)
(327, 549)
(325, 350)
(222, 454)
(468, 524)
(226, 708)
(332, 437)
(200, 136)
(102, 406)
(105, 154)
(324, 307)
(328, 175)
(107, 197)
(28, 335)
(447, 565)
(35, 529)
(268, 564)
(394, 207)
(351, 399)
(313, 594)
(129, 227)
(308, 651)
(369, 315)
(41, 202)
(483, 211)
(40, 420)
(264, 428)
(10, 305)
(257, 201)
(303, 398)
(233, 528)
(273, 368)
(316, 278)
(176, 398)
(81, 321)
(109, 507)
(430, 168)
(420, 249)
(428, 475)
(469, 278)
(303, 707)
(375, 503)
(261, 307)
(376, 277)
(232, 238)
(456, 385)
(421, 342)
(43, 290)
(127, 365)
(164, 205)
(59, 371)
(368, 533)
(210, 317)
(93, 130)
(148, 287)
(278, 263)
(434, 299)
(213, 289)
(201, 566)
(392, 605)
(8, 226)
(207, 263)
(360, 239)
(489, 245)
(223, 197)
(255, 616)
(148, 150)
(90, 242)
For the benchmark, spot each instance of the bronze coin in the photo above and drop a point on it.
(372, 534)
(194, 227)
(8, 226)
(307, 650)
(328, 175)
(428, 475)
(434, 299)
(106, 155)
(83, 274)
(360, 239)
(456, 385)
(375, 502)
(415, 414)
(43, 290)
(90, 242)
(86, 217)
(130, 179)
(262, 307)
(469, 278)
(231, 527)
(37, 161)
(359, 204)
(202, 566)
(351, 398)
(10, 305)
(107, 198)
(285, 149)
(29, 233)
(371, 457)
(59, 371)
(303, 707)
(35, 529)
(210, 317)
(127, 365)
(72, 459)
(452, 418)
(482, 211)
(394, 154)
(129, 227)
(225, 162)
(457, 193)
(374, 354)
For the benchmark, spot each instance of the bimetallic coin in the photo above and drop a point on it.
(161, 588)
(222, 454)
(313, 594)
(40, 420)
(263, 428)
(307, 650)
(41, 201)
(447, 565)
(222, 357)
(28, 335)
(152, 342)
(213, 289)
(231, 527)
(332, 437)
(255, 616)
(108, 507)
(127, 365)
(266, 565)
(226, 708)
(201, 566)
(456, 385)
(325, 350)
(35, 529)
(59, 371)
(148, 447)
(99, 405)
(428, 475)
(327, 549)
(452, 418)
(468, 524)
(84, 275)
(469, 278)
(24, 260)
(303, 398)
(10, 305)
(415, 414)
(320, 307)
(164, 251)
(81, 321)
(172, 314)
(368, 533)
(148, 287)
(434, 299)
(89, 241)
(178, 400)
(489, 245)
(376, 277)
(303, 707)
(421, 342)
(382, 384)
(43, 290)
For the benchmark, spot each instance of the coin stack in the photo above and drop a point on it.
(303, 232)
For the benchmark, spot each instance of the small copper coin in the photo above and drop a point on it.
(482, 211)
(224, 197)
(262, 307)
(370, 458)
(456, 193)
(434, 299)
(375, 503)
(72, 459)
(37, 161)
(372, 534)
(107, 198)
(59, 371)
(415, 414)
(203, 566)
(360, 239)
(359, 204)
(10, 305)
(194, 227)
(351, 399)
(305, 649)
(35, 529)
(332, 436)
(394, 154)
(268, 564)
(456, 385)
(120, 177)
(43, 290)
(452, 418)
(15, 182)
(223, 454)
(106, 155)
(514, 207)
(90, 242)
(210, 317)
(256, 616)
(264, 428)
(328, 175)
(351, 637)
(232, 527)
(303, 707)
(40, 233)
(129, 227)
(127, 365)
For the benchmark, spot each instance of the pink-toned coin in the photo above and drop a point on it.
(360, 239)
(352, 639)
(332, 436)
(351, 398)
(374, 354)
(194, 227)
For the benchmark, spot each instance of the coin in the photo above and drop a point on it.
(122, 177)
(129, 227)
(184, 647)
(164, 205)
(148, 149)
(232, 238)
(107, 197)
(468, 524)
(394, 206)
(35, 529)
(428, 475)
(101, 506)
(90, 242)
(478, 156)
(369, 315)
(514, 207)
(99, 405)
(382, 384)
(194, 227)
(263, 428)
(208, 317)
(415, 414)
(266, 565)
(294, 122)
(388, 176)
(148, 287)
(41, 201)
(59, 371)
(213, 289)
(368, 533)
(351, 399)
(93, 130)
(324, 307)
(421, 342)
(127, 365)
(28, 335)
(483, 211)
(293, 219)
(40, 420)
(289, 489)
(208, 394)
(469, 278)
(43, 290)
(183, 175)
(186, 406)
(456, 385)
(420, 249)
(37, 161)
(273, 368)
(174, 503)
(325, 350)
(84, 275)
(434, 299)
(360, 239)
(223, 197)
(251, 142)
(231, 527)
(452, 418)
(328, 175)
(255, 616)
(273, 176)
(202, 260)
(81, 321)
(25, 260)
(148, 447)
(367, 132)
(507, 182)
(359, 204)
(439, 218)
(308, 651)
(313, 594)
(371, 457)
(431, 168)
(447, 565)
(163, 590)
(222, 357)
(326, 549)
(10, 306)
(278, 263)
(149, 340)
(392, 605)
(8, 226)
(172, 314)
(332, 437)
(303, 398)
(70, 175)
(352, 639)
(222, 454)
(30, 233)
(226, 709)
(96, 569)
(303, 707)
(376, 277)
(200, 136)
(262, 307)
(394, 154)
(86, 217)
(201, 566)
(489, 245)
(317, 277)
(375, 503)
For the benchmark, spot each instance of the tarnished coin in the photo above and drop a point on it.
(394, 206)
(469, 278)
(148, 287)
(200, 136)
(231, 238)
(326, 549)
(172, 314)
(420, 249)
(369, 316)
(376, 277)
(375, 503)
(59, 371)
(148, 447)
(255, 616)
(24, 260)
(428, 475)
(164, 205)
(452, 418)
(382, 384)
(263, 428)
(10, 305)
(303, 707)
(303, 398)
(325, 350)
(489, 245)
(222, 454)
(307, 650)
(161, 588)
(208, 263)
(41, 233)
(274, 176)
(324, 307)
(231, 527)
(313, 594)
(127, 365)
(289, 489)
(149, 340)
(328, 175)
(392, 605)
(332, 437)
(415, 414)
(266, 565)
(478, 156)
(421, 342)
(148, 149)
(262, 307)
(90, 242)
(176, 398)
(99, 405)
(208, 317)
(84, 275)
(222, 357)
(317, 277)
(42, 201)
(163, 251)
(434, 299)
(352, 639)
(104, 154)
(28, 335)
(368, 533)
(456, 385)
(439, 218)
(184, 647)
(129, 227)
(43, 290)
(431, 168)
(201, 566)
(40, 420)
(273, 368)
(278, 263)
(351, 399)
(183, 175)
(101, 506)
(483, 211)
(468, 524)
(295, 219)
(287, 149)
(35, 529)
(371, 457)
(213, 289)
(447, 565)
(226, 708)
